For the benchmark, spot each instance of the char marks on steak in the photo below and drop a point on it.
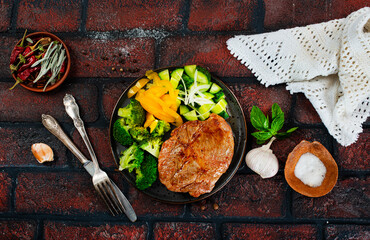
(196, 155)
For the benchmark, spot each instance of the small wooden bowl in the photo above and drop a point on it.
(68, 66)
(325, 157)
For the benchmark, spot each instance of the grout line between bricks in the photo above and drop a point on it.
(320, 231)
(150, 234)
(83, 19)
(288, 202)
(185, 16)
(258, 17)
(39, 232)
(14, 179)
(14, 16)
(218, 230)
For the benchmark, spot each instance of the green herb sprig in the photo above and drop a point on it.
(267, 129)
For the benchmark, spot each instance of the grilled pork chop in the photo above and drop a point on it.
(196, 155)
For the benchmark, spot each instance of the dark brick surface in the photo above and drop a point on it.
(257, 94)
(53, 16)
(95, 57)
(4, 192)
(5, 13)
(282, 148)
(15, 147)
(209, 51)
(70, 231)
(118, 15)
(347, 232)
(182, 230)
(285, 14)
(221, 15)
(29, 105)
(58, 193)
(348, 199)
(111, 94)
(17, 230)
(6, 46)
(278, 14)
(259, 231)
(246, 196)
(309, 12)
(57, 200)
(304, 112)
(342, 8)
(146, 206)
(99, 138)
(355, 156)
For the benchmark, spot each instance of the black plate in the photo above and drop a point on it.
(158, 191)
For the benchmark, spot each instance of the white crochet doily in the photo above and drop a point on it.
(328, 62)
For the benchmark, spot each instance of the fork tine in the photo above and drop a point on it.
(112, 198)
(112, 194)
(106, 199)
(113, 191)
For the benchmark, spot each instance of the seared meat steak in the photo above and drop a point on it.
(196, 155)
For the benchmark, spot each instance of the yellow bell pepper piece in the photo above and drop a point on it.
(157, 91)
(139, 84)
(178, 121)
(154, 108)
(149, 119)
(153, 125)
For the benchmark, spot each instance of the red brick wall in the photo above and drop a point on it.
(57, 200)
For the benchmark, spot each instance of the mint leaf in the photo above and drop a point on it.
(282, 135)
(260, 141)
(266, 124)
(267, 129)
(292, 130)
(277, 123)
(262, 135)
(258, 119)
(276, 112)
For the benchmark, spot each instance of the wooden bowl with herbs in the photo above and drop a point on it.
(40, 62)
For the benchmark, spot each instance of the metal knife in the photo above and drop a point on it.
(53, 126)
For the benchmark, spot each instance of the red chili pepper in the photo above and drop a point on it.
(28, 64)
(27, 72)
(28, 52)
(16, 51)
(63, 68)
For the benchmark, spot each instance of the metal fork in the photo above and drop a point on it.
(101, 181)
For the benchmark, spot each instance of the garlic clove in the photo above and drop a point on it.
(263, 161)
(42, 152)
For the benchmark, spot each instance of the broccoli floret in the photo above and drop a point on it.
(161, 128)
(131, 158)
(146, 174)
(152, 146)
(139, 133)
(121, 132)
(205, 71)
(133, 113)
(188, 82)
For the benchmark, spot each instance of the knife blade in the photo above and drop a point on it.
(53, 126)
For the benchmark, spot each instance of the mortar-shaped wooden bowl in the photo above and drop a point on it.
(36, 35)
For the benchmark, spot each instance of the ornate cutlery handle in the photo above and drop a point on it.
(74, 112)
(53, 126)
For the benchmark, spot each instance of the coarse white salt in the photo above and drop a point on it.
(310, 170)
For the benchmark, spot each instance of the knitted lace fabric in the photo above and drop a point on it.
(328, 62)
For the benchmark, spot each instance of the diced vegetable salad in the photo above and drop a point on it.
(157, 101)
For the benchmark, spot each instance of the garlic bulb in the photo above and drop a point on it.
(262, 161)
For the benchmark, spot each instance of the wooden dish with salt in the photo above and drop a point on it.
(324, 156)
